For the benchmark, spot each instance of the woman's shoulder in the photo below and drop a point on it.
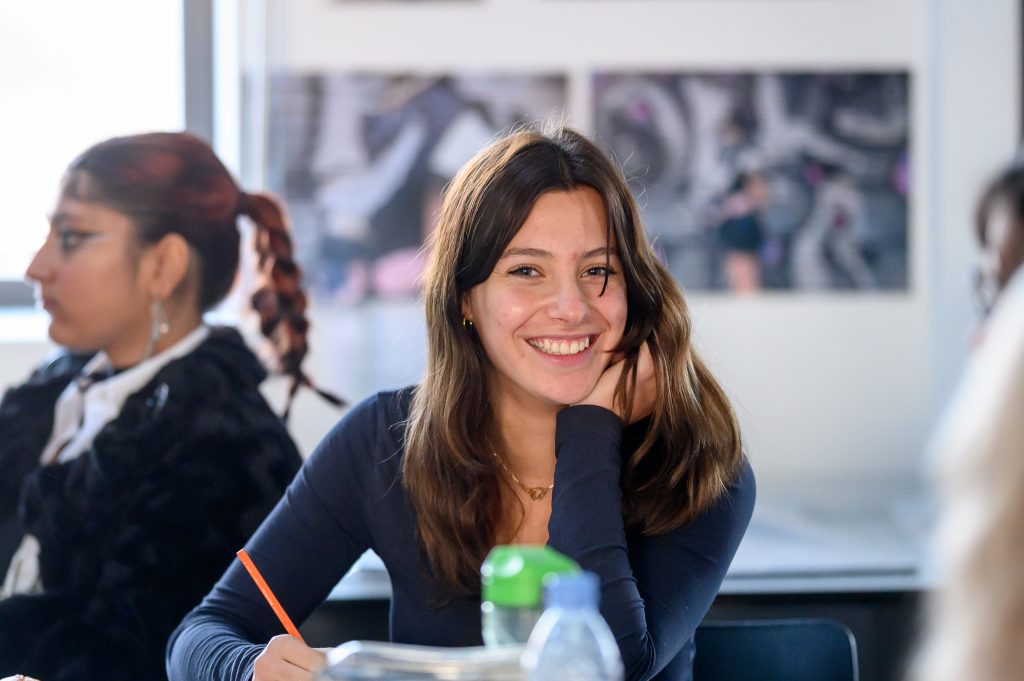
(368, 442)
(59, 367)
(730, 513)
(207, 398)
(382, 417)
(741, 493)
(37, 394)
(214, 385)
(218, 381)
(222, 356)
(394, 406)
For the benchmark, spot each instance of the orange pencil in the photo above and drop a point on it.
(269, 595)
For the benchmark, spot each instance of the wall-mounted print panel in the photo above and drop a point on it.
(361, 160)
(777, 181)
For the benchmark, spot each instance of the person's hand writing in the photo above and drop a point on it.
(286, 658)
(603, 394)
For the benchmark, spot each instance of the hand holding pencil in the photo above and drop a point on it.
(286, 657)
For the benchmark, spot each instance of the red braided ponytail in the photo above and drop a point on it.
(279, 299)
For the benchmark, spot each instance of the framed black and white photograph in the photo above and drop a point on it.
(361, 160)
(755, 181)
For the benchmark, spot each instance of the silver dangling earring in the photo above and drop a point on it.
(158, 328)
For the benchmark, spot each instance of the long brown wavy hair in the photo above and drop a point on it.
(451, 478)
(173, 182)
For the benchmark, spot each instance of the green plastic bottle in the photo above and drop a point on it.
(512, 579)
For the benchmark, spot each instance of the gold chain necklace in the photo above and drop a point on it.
(536, 493)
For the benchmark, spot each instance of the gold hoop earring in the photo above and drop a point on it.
(467, 323)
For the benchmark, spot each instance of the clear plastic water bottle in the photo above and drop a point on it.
(571, 641)
(512, 582)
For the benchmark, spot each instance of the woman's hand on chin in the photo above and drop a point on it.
(286, 658)
(603, 394)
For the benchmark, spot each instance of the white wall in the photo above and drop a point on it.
(18, 359)
(832, 389)
(977, 121)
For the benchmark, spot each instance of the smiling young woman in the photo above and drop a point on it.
(562, 403)
(548, 219)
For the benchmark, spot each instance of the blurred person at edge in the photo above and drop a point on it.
(137, 462)
(999, 227)
(975, 621)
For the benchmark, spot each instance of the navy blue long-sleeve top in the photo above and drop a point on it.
(349, 497)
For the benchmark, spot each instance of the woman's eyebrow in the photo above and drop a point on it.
(57, 218)
(601, 251)
(541, 253)
(528, 252)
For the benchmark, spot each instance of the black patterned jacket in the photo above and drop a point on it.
(135, 531)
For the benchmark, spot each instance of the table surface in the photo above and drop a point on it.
(787, 549)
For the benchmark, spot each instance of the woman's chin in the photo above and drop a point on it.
(58, 334)
(567, 396)
(63, 337)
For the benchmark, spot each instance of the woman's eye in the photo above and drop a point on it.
(524, 271)
(598, 271)
(70, 239)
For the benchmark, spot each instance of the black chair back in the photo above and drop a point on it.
(775, 650)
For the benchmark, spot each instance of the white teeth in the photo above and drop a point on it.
(556, 347)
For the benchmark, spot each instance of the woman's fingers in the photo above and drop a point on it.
(603, 394)
(644, 396)
(286, 658)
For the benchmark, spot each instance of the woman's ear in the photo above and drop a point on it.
(167, 264)
(467, 308)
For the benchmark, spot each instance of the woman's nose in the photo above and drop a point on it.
(41, 267)
(569, 303)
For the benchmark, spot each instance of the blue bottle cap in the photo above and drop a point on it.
(576, 590)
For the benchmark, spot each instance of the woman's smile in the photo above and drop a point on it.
(563, 347)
